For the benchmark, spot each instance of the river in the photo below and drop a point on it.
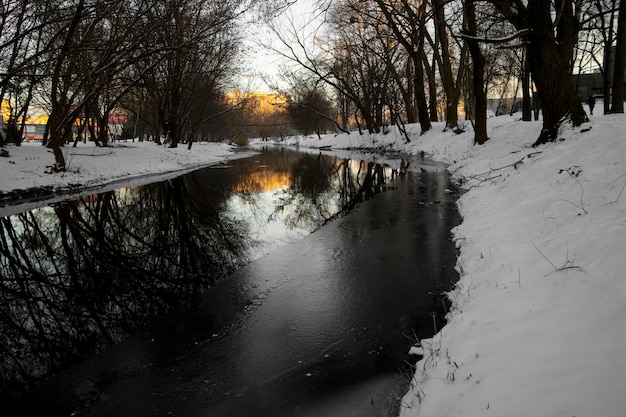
(284, 284)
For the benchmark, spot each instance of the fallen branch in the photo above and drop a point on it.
(477, 177)
(514, 164)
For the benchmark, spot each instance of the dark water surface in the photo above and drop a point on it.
(182, 298)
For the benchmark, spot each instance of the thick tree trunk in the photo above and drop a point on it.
(549, 59)
(556, 91)
(174, 132)
(420, 98)
(103, 130)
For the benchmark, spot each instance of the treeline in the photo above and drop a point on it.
(392, 61)
(166, 62)
(363, 63)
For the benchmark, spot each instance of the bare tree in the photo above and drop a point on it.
(198, 40)
(447, 63)
(89, 53)
(361, 59)
(408, 23)
(308, 105)
(550, 32)
(20, 55)
(80, 58)
(353, 59)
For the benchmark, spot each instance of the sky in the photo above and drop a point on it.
(265, 64)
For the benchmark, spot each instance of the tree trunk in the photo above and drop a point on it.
(420, 97)
(173, 132)
(526, 96)
(608, 37)
(617, 105)
(549, 58)
(432, 88)
(103, 129)
(408, 94)
(555, 89)
(418, 62)
(445, 64)
(478, 79)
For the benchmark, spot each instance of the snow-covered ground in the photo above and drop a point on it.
(25, 172)
(89, 165)
(538, 322)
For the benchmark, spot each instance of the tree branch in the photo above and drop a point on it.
(484, 39)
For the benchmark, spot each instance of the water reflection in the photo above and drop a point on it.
(285, 195)
(81, 275)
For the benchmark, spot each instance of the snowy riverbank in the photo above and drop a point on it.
(538, 316)
(24, 173)
(539, 312)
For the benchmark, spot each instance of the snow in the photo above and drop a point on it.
(127, 162)
(538, 317)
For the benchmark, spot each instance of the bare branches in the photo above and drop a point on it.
(489, 175)
(504, 39)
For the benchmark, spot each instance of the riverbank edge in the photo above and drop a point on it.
(28, 181)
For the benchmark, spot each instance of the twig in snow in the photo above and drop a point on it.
(573, 172)
(487, 176)
(620, 192)
(567, 265)
(582, 191)
(514, 164)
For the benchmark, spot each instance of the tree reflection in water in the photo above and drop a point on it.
(312, 189)
(80, 276)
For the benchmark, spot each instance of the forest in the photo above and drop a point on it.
(172, 65)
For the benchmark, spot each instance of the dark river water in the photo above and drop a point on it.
(284, 284)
